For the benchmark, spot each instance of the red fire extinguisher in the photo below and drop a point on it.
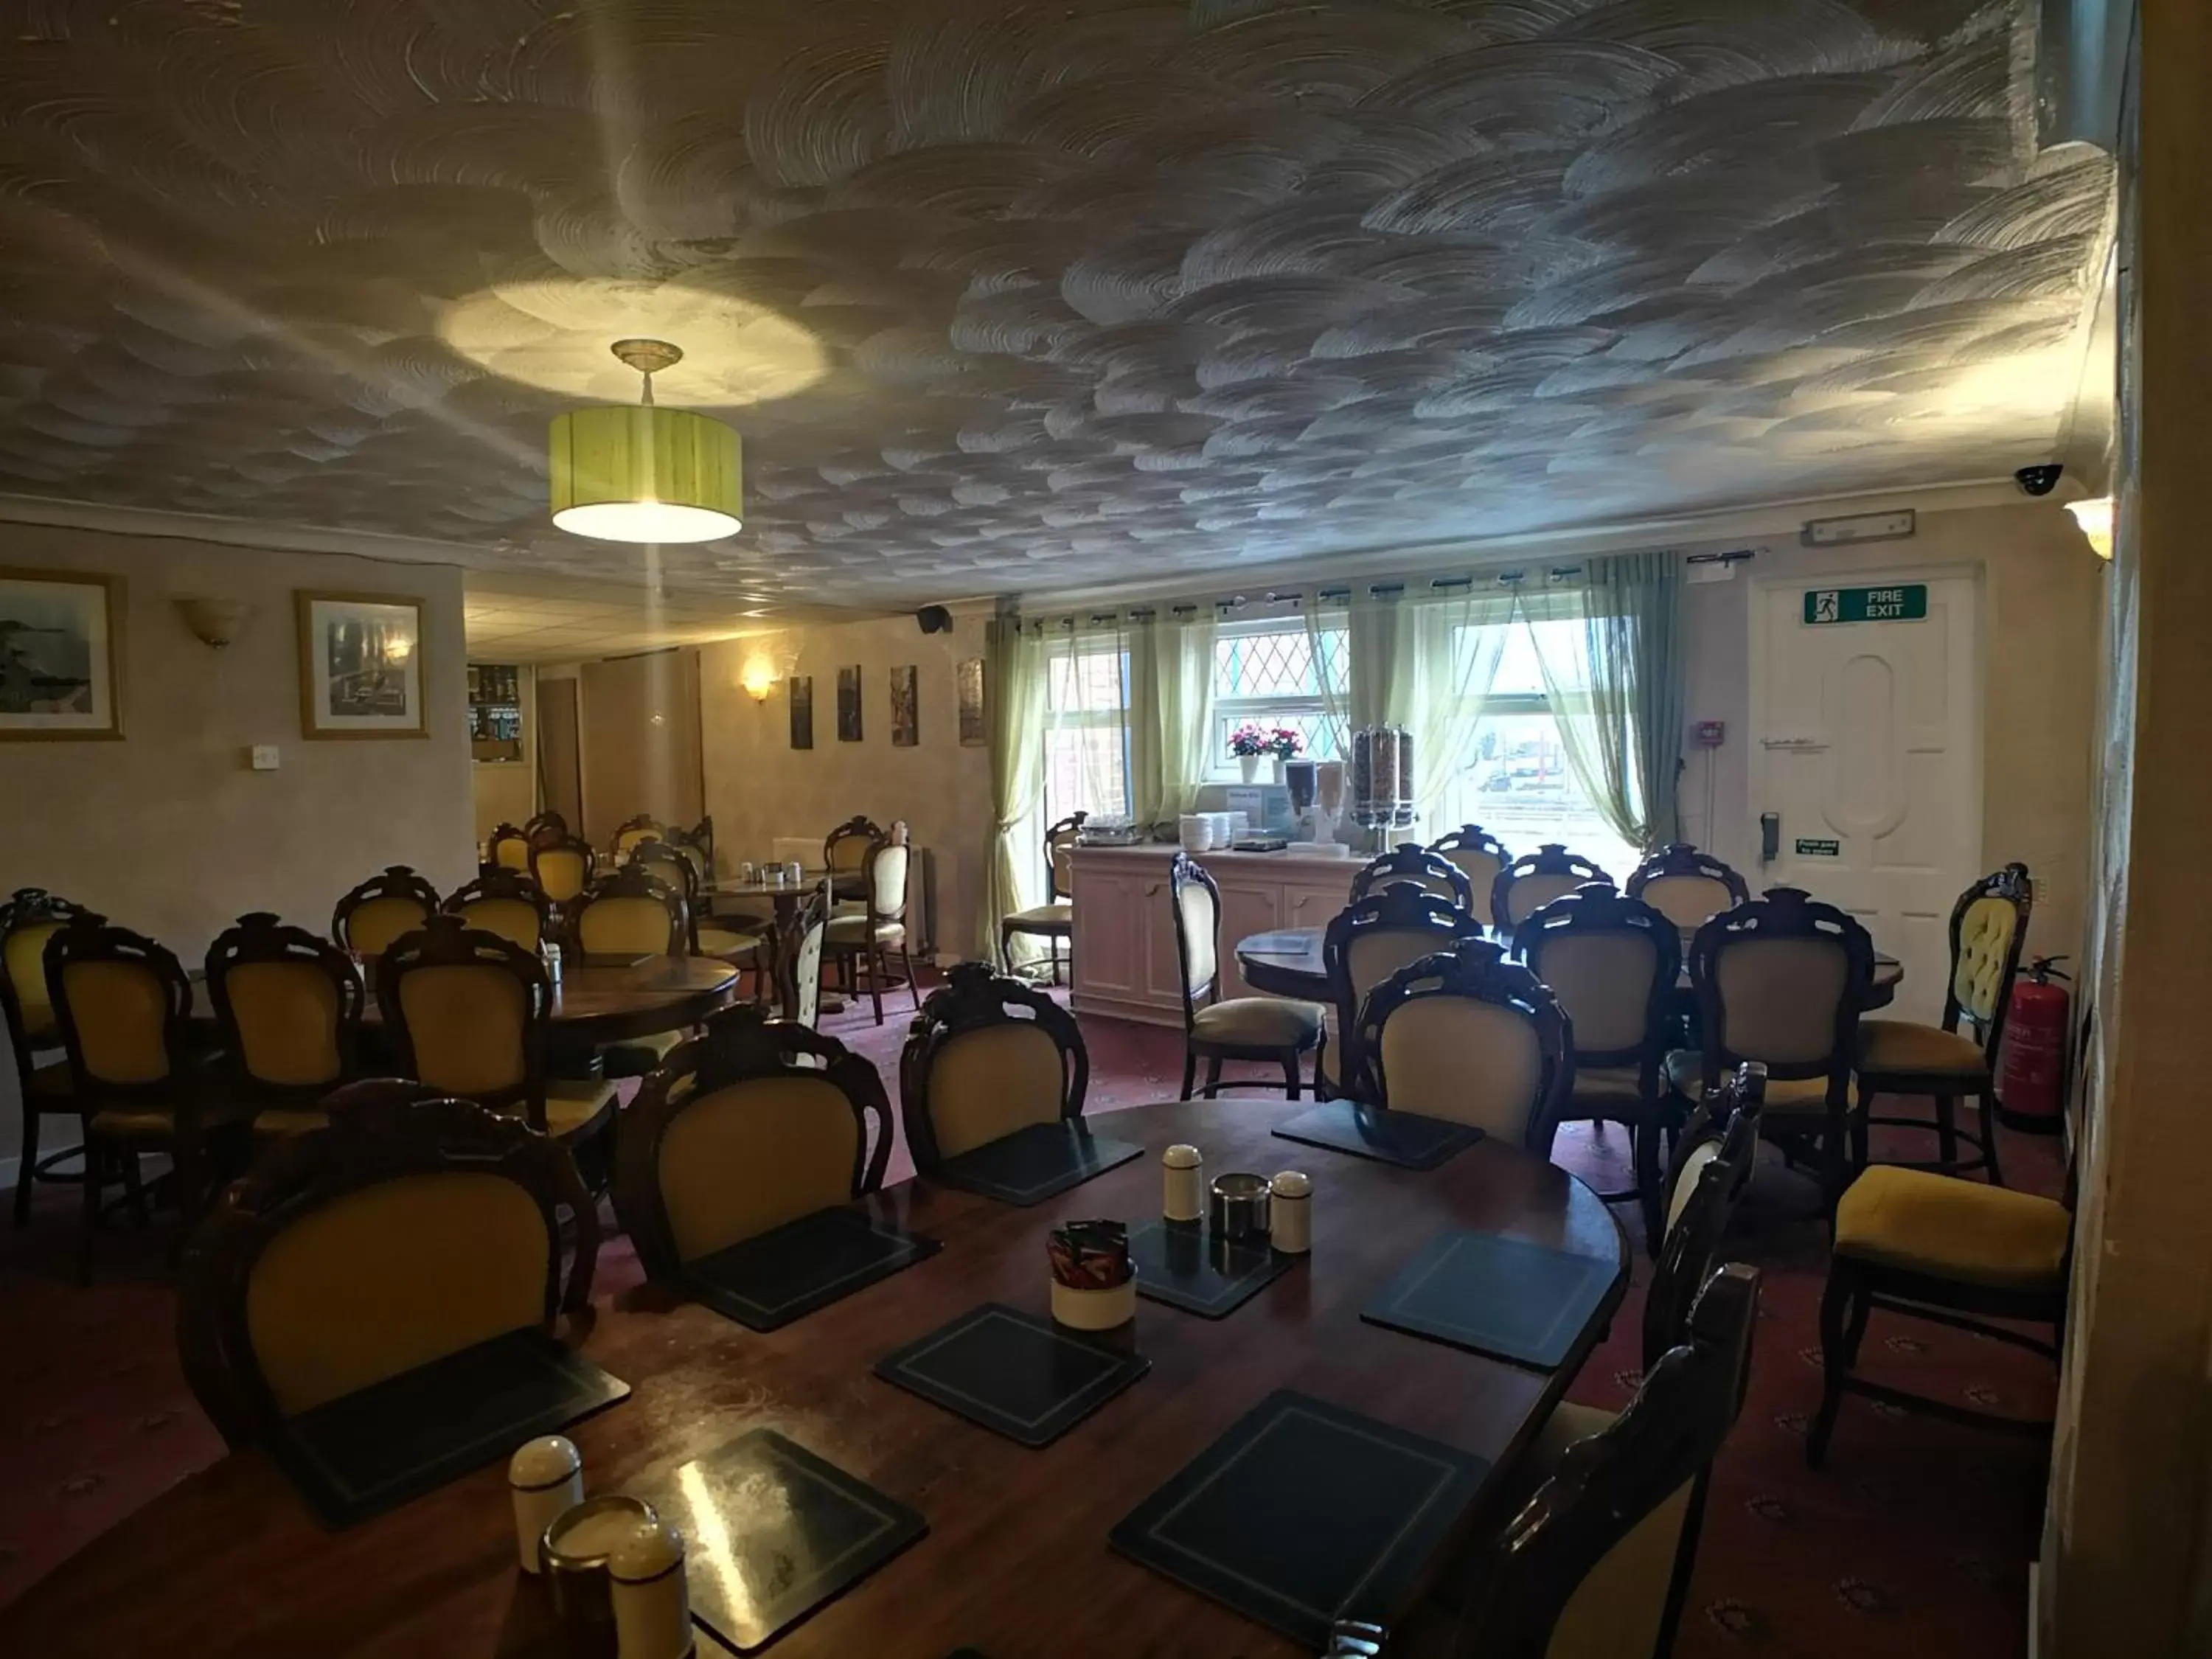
(2035, 1067)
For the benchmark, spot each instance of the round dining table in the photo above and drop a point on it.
(230, 1565)
(1286, 962)
(785, 897)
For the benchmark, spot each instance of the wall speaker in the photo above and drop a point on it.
(934, 619)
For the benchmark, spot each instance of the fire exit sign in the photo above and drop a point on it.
(1856, 605)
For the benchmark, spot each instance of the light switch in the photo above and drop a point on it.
(264, 757)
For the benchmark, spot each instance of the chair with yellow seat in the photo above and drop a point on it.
(845, 856)
(1363, 944)
(1271, 1030)
(1782, 980)
(409, 1228)
(381, 909)
(508, 902)
(543, 826)
(561, 865)
(987, 1056)
(506, 849)
(30, 917)
(868, 938)
(1055, 919)
(1468, 1037)
(123, 1006)
(1478, 855)
(1949, 1250)
(1988, 929)
(1687, 886)
(702, 938)
(1614, 962)
(630, 831)
(289, 1005)
(754, 1124)
(629, 913)
(1429, 871)
(802, 959)
(1534, 879)
(468, 1012)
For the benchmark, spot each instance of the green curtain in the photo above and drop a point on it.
(1181, 709)
(1145, 645)
(1013, 702)
(1447, 663)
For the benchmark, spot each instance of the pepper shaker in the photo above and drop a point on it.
(1291, 1213)
(1183, 1180)
(652, 1596)
(546, 1480)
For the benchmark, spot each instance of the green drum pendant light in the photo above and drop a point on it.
(644, 474)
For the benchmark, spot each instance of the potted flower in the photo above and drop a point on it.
(1251, 742)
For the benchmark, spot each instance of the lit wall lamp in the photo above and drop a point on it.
(214, 623)
(2094, 517)
(757, 678)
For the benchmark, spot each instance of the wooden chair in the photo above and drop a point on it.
(561, 865)
(752, 1125)
(1989, 928)
(545, 825)
(630, 912)
(1614, 964)
(507, 849)
(630, 831)
(1477, 854)
(1055, 919)
(30, 918)
(289, 1005)
(1431, 872)
(508, 902)
(1687, 887)
(987, 1056)
(802, 959)
(703, 938)
(406, 1229)
(1534, 879)
(1466, 1035)
(1264, 1029)
(468, 1013)
(123, 1006)
(868, 938)
(697, 844)
(381, 909)
(1951, 1251)
(1363, 944)
(845, 855)
(1781, 980)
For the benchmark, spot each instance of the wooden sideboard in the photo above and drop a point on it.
(1125, 941)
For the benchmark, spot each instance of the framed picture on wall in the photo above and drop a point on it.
(60, 639)
(849, 705)
(802, 711)
(906, 707)
(970, 675)
(361, 665)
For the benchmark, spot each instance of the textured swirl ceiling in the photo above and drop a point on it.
(1008, 298)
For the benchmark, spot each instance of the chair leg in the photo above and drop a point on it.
(25, 1170)
(1991, 1171)
(1006, 951)
(1843, 1327)
(1189, 1071)
(91, 1211)
(134, 1188)
(1946, 1133)
(1322, 1090)
(1212, 1077)
(1643, 1145)
(1290, 1080)
(878, 966)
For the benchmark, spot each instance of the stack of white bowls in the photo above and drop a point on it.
(1195, 829)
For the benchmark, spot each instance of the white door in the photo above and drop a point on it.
(1866, 733)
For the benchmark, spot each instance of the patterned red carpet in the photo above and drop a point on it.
(1915, 1539)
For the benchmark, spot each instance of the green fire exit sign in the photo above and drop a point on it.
(1908, 602)
(1809, 848)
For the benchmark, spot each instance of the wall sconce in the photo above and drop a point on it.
(757, 679)
(2094, 517)
(214, 623)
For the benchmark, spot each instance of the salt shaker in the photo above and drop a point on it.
(1183, 1181)
(653, 1600)
(546, 1478)
(1291, 1220)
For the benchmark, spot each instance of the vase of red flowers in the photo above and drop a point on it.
(1252, 742)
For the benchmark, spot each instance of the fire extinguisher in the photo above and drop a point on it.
(2034, 1066)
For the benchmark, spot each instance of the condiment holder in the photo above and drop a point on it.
(545, 1478)
(1289, 1212)
(573, 1556)
(1094, 1283)
(1238, 1211)
(1183, 1180)
(652, 1598)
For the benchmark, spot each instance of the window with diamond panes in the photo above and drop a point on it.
(1268, 673)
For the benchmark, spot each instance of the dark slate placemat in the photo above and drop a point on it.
(375, 1448)
(790, 1271)
(1411, 1142)
(1012, 1372)
(1032, 1165)
(1186, 1267)
(1499, 1296)
(772, 1532)
(1303, 1513)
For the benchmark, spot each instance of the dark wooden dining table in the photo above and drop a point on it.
(785, 898)
(1286, 962)
(230, 1564)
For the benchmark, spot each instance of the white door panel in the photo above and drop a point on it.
(1867, 743)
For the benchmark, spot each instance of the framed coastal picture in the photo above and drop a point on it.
(970, 675)
(802, 711)
(361, 665)
(906, 707)
(849, 705)
(60, 640)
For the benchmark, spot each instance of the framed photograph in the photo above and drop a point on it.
(60, 639)
(849, 705)
(802, 711)
(970, 675)
(361, 665)
(906, 707)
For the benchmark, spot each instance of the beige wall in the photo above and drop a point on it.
(759, 787)
(640, 738)
(2039, 597)
(168, 830)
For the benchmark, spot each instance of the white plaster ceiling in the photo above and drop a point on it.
(1013, 298)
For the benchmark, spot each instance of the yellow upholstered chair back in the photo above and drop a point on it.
(1613, 962)
(1988, 929)
(515, 919)
(1197, 904)
(888, 864)
(289, 1003)
(509, 849)
(1529, 894)
(563, 868)
(1686, 885)
(807, 961)
(1373, 937)
(120, 1011)
(383, 909)
(1478, 855)
(623, 920)
(1534, 879)
(1060, 844)
(28, 919)
(644, 827)
(1470, 1037)
(468, 1012)
(1431, 872)
(1781, 980)
(845, 849)
(987, 1056)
